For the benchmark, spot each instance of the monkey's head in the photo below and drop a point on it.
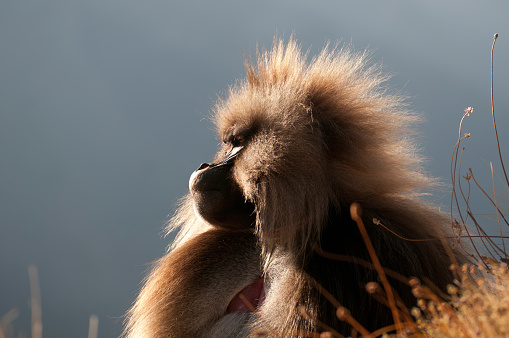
(299, 138)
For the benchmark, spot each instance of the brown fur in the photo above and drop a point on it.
(176, 286)
(324, 134)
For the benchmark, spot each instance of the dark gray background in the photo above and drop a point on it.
(104, 108)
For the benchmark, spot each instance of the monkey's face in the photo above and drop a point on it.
(272, 147)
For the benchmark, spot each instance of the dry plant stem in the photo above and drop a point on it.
(483, 236)
(469, 214)
(435, 289)
(454, 197)
(493, 111)
(392, 327)
(355, 213)
(340, 309)
(377, 293)
(343, 314)
(331, 331)
(365, 264)
(8, 318)
(401, 307)
(247, 302)
(496, 208)
(361, 262)
(486, 237)
(93, 326)
(466, 199)
(427, 293)
(480, 236)
(454, 162)
(404, 238)
(442, 239)
(489, 198)
(35, 301)
(325, 293)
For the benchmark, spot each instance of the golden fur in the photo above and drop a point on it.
(324, 134)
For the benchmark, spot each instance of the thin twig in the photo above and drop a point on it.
(483, 237)
(325, 293)
(378, 294)
(6, 320)
(489, 198)
(344, 315)
(496, 209)
(93, 326)
(466, 199)
(454, 163)
(493, 111)
(361, 262)
(355, 212)
(334, 333)
(35, 301)
(390, 328)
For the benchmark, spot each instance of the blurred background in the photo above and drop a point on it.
(104, 113)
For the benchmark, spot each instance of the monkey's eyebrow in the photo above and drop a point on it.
(237, 136)
(240, 134)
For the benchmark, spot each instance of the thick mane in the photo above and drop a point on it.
(350, 135)
(352, 105)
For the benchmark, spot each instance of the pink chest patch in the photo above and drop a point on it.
(248, 298)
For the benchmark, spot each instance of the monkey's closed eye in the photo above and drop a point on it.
(237, 140)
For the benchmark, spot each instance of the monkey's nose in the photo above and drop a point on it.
(203, 166)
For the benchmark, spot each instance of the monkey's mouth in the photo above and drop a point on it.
(249, 298)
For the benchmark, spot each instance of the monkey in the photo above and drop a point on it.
(302, 139)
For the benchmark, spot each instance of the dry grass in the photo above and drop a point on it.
(479, 302)
(6, 321)
(479, 306)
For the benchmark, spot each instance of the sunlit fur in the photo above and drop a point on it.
(326, 134)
